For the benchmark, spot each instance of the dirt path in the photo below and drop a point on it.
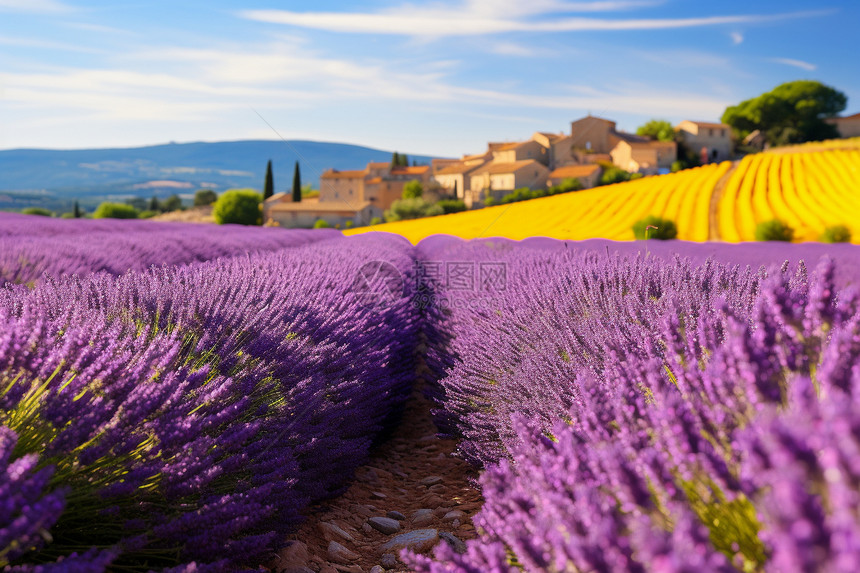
(713, 213)
(412, 482)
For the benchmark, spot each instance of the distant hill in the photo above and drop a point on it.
(55, 178)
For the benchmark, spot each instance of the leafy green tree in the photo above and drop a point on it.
(115, 211)
(417, 208)
(269, 185)
(76, 211)
(836, 234)
(205, 197)
(321, 224)
(37, 211)
(172, 203)
(451, 206)
(792, 112)
(612, 174)
(774, 230)
(654, 227)
(297, 184)
(413, 190)
(238, 206)
(658, 129)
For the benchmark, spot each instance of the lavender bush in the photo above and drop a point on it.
(33, 246)
(646, 416)
(188, 414)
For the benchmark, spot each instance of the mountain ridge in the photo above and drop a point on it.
(54, 178)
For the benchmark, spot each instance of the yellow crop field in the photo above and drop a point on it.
(807, 190)
(608, 212)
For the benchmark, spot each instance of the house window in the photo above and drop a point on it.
(711, 132)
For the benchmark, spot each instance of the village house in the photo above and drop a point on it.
(588, 175)
(497, 179)
(848, 126)
(646, 157)
(357, 196)
(712, 142)
(546, 159)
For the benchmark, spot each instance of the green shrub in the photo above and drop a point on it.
(348, 225)
(37, 211)
(613, 174)
(321, 224)
(147, 214)
(205, 197)
(405, 209)
(653, 227)
(774, 230)
(68, 216)
(451, 206)
(239, 206)
(376, 221)
(115, 211)
(836, 234)
(413, 190)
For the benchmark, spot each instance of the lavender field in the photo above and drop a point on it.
(174, 397)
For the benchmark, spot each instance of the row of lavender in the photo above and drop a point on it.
(645, 414)
(186, 415)
(32, 246)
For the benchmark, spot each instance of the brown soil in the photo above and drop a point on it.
(391, 481)
(713, 218)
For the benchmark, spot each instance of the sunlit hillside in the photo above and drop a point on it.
(808, 190)
(608, 212)
(810, 186)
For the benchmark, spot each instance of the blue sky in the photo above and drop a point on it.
(437, 77)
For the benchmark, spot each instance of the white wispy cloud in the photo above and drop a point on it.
(482, 17)
(38, 6)
(518, 50)
(796, 63)
(193, 85)
(737, 38)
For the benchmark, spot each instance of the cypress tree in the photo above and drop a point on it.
(154, 204)
(76, 210)
(395, 159)
(297, 184)
(404, 160)
(269, 186)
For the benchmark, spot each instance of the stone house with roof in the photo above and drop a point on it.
(496, 179)
(848, 126)
(588, 175)
(355, 195)
(646, 157)
(712, 142)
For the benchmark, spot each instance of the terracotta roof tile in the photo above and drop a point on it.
(496, 168)
(335, 174)
(412, 170)
(710, 125)
(574, 171)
